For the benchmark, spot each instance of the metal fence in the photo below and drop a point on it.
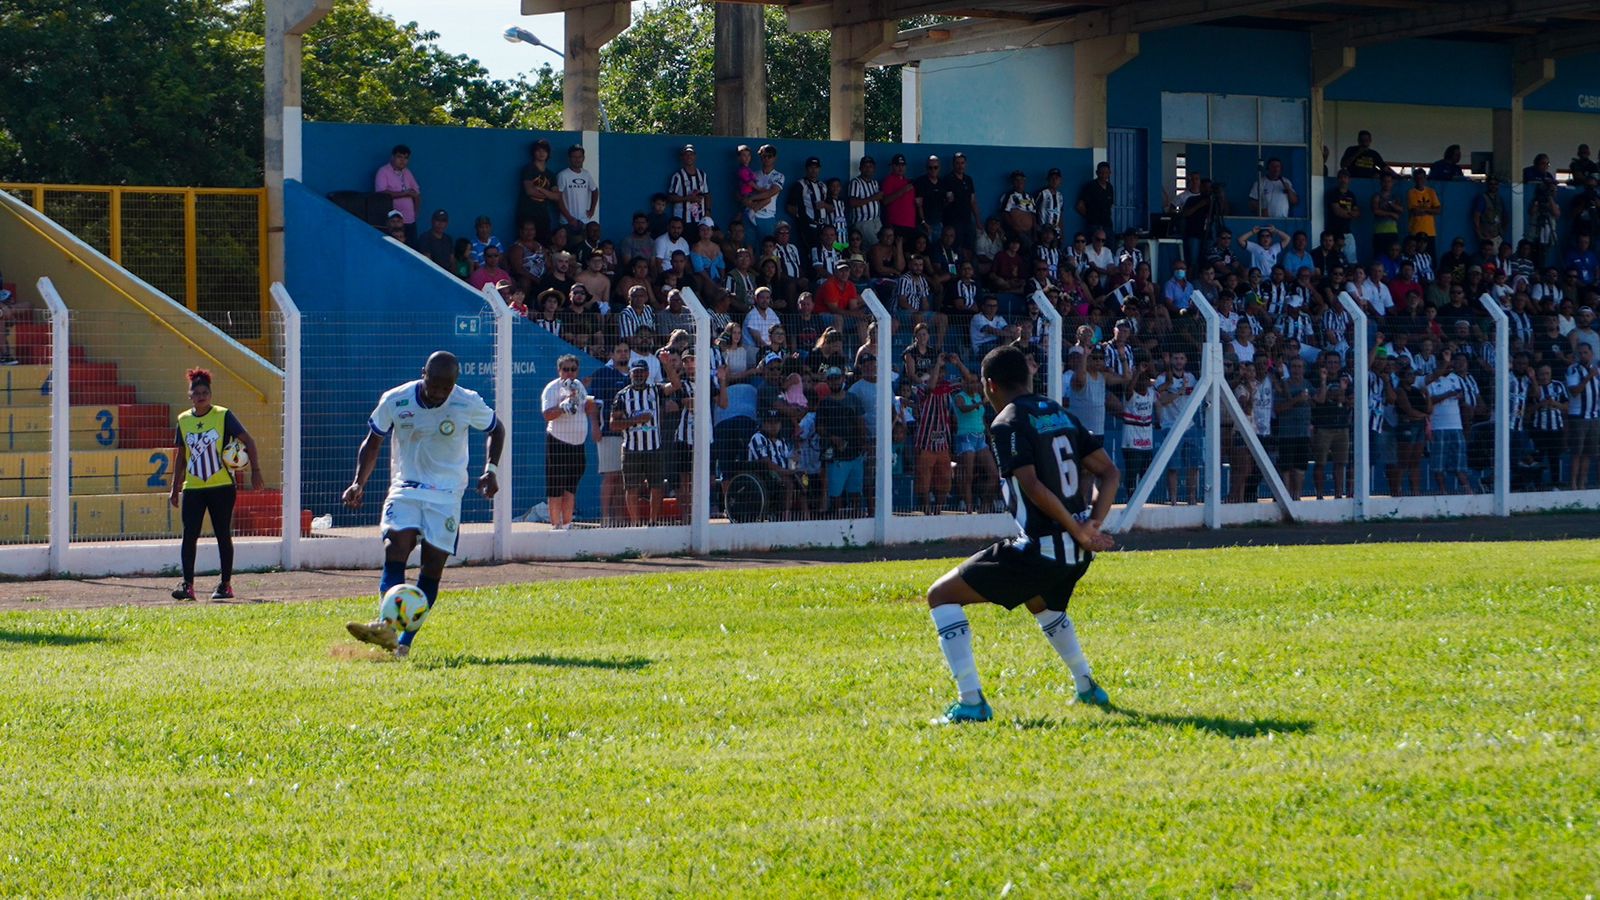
(204, 246)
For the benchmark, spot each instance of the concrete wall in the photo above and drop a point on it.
(1018, 97)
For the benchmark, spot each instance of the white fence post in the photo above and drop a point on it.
(504, 396)
(1050, 314)
(1213, 435)
(1502, 405)
(700, 508)
(1361, 436)
(291, 486)
(883, 487)
(60, 427)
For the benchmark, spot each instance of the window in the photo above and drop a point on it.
(1231, 138)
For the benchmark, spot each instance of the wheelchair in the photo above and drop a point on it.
(746, 492)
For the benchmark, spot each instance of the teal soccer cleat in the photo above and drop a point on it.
(1095, 695)
(961, 712)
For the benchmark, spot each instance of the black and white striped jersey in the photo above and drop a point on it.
(1035, 431)
(861, 189)
(635, 401)
(685, 183)
(1584, 397)
(1553, 418)
(765, 449)
(631, 320)
(789, 257)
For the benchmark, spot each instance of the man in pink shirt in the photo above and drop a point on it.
(394, 178)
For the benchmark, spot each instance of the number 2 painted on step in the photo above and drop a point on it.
(162, 463)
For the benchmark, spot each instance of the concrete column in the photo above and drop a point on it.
(1093, 60)
(741, 70)
(853, 46)
(1327, 66)
(588, 29)
(286, 22)
(1528, 75)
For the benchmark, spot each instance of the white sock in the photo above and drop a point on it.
(955, 638)
(1062, 636)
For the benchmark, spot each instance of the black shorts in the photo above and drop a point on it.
(643, 469)
(563, 466)
(1010, 574)
(680, 460)
(1293, 453)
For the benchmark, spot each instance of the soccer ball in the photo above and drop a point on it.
(234, 456)
(404, 607)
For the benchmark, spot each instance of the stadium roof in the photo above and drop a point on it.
(1541, 27)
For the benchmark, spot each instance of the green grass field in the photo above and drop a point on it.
(1394, 720)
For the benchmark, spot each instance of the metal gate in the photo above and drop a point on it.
(1129, 174)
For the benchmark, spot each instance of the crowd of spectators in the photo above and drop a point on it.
(796, 356)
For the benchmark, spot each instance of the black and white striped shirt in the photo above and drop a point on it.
(763, 449)
(1377, 407)
(912, 291)
(1517, 397)
(684, 433)
(1421, 266)
(836, 212)
(1276, 293)
(861, 189)
(1549, 419)
(1335, 327)
(683, 184)
(1583, 399)
(1470, 395)
(634, 401)
(631, 320)
(1118, 361)
(1296, 326)
(1051, 257)
(1520, 325)
(789, 257)
(1050, 204)
(966, 293)
(551, 325)
(824, 257)
(813, 197)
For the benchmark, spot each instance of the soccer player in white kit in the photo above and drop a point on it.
(429, 419)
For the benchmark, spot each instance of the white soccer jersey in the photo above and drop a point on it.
(430, 443)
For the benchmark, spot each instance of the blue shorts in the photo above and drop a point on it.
(846, 476)
(1383, 448)
(969, 443)
(1448, 450)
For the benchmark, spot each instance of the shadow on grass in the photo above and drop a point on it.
(1218, 725)
(46, 639)
(457, 661)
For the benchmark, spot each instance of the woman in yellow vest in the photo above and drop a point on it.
(207, 485)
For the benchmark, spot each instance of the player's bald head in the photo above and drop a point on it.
(442, 364)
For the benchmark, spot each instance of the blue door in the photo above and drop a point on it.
(1125, 151)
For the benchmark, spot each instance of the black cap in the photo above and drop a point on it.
(899, 159)
(812, 161)
(1053, 171)
(440, 214)
(868, 159)
(1018, 173)
(773, 415)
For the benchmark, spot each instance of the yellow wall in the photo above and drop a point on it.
(113, 328)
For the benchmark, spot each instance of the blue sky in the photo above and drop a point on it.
(473, 27)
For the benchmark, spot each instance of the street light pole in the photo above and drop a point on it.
(516, 34)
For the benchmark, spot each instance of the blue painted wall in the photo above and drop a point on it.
(1018, 97)
(1576, 88)
(373, 311)
(1268, 64)
(1430, 73)
(1455, 221)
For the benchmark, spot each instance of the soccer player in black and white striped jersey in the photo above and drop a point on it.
(689, 190)
(866, 202)
(1583, 415)
(1043, 453)
(637, 412)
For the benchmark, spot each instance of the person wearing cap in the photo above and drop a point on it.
(1423, 206)
(805, 206)
(1096, 198)
(866, 200)
(933, 193)
(689, 190)
(843, 438)
(637, 413)
(577, 191)
(838, 301)
(899, 199)
(1050, 203)
(394, 225)
(761, 206)
(395, 180)
(775, 459)
(538, 199)
(483, 231)
(1017, 209)
(434, 243)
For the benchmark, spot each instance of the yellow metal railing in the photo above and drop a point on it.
(204, 246)
(160, 319)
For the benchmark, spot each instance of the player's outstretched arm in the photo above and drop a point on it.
(366, 459)
(488, 483)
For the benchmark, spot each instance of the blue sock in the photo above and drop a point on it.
(430, 589)
(393, 573)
